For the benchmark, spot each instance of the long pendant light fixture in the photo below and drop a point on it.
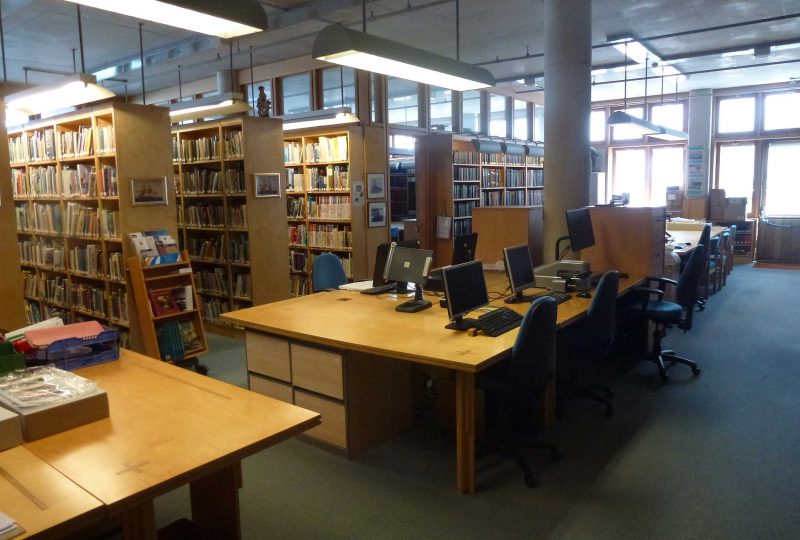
(623, 118)
(340, 45)
(222, 19)
(665, 133)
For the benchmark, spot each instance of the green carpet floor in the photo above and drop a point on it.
(715, 456)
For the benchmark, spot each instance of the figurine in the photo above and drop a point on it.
(263, 104)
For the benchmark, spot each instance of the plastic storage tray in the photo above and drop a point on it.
(76, 353)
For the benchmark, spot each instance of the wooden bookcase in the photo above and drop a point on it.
(467, 179)
(323, 215)
(235, 240)
(12, 316)
(71, 181)
(147, 279)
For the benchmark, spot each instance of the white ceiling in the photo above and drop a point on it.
(506, 36)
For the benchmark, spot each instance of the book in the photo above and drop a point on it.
(155, 247)
(162, 302)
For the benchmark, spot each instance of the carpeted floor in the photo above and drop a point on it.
(709, 457)
(777, 265)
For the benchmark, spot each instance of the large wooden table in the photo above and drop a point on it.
(167, 427)
(690, 238)
(370, 326)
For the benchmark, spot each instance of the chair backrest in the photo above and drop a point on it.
(464, 248)
(533, 357)
(705, 234)
(732, 239)
(686, 291)
(327, 272)
(599, 329)
(713, 246)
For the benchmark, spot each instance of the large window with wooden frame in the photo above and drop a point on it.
(403, 102)
(296, 93)
(441, 103)
(520, 130)
(471, 111)
(339, 88)
(498, 127)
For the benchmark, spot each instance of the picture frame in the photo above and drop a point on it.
(149, 191)
(376, 185)
(376, 214)
(266, 185)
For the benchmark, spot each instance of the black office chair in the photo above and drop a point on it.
(705, 236)
(515, 387)
(665, 314)
(592, 338)
(327, 273)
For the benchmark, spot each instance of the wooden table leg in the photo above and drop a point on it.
(215, 503)
(465, 432)
(139, 522)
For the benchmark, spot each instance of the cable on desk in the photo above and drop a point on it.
(498, 295)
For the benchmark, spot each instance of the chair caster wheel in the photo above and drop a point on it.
(696, 370)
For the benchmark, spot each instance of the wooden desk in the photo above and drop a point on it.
(690, 238)
(362, 330)
(41, 499)
(168, 427)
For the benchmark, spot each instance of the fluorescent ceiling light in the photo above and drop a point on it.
(326, 117)
(640, 54)
(223, 19)
(70, 91)
(346, 47)
(621, 118)
(669, 134)
(218, 105)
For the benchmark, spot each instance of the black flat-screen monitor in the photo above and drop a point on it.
(464, 248)
(519, 269)
(408, 265)
(382, 257)
(579, 227)
(465, 288)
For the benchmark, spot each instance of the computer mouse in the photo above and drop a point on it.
(583, 295)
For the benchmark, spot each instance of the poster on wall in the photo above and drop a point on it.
(358, 193)
(696, 171)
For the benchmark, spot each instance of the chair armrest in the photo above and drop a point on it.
(650, 290)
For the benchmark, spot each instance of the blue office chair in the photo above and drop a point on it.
(665, 314)
(327, 273)
(515, 387)
(705, 236)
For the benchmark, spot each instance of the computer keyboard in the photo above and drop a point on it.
(559, 297)
(379, 289)
(498, 321)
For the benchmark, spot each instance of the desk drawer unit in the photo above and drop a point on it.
(333, 428)
(270, 387)
(268, 356)
(318, 370)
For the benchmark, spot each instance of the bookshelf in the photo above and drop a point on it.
(12, 315)
(235, 241)
(167, 310)
(322, 214)
(74, 207)
(466, 179)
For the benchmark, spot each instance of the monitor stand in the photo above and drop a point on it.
(519, 298)
(417, 304)
(460, 323)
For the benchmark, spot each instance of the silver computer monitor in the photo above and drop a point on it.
(408, 265)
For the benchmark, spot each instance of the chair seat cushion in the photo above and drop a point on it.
(663, 311)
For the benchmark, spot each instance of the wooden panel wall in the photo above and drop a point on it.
(778, 240)
(504, 226)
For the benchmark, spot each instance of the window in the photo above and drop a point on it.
(403, 102)
(521, 120)
(471, 107)
(667, 170)
(628, 133)
(597, 126)
(373, 97)
(736, 115)
(441, 101)
(253, 89)
(296, 93)
(538, 123)
(736, 170)
(782, 193)
(646, 172)
(497, 116)
(629, 174)
(668, 115)
(782, 111)
(339, 88)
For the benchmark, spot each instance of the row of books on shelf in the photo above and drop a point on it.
(213, 281)
(534, 177)
(176, 339)
(462, 157)
(210, 182)
(491, 178)
(232, 142)
(155, 247)
(237, 216)
(326, 149)
(35, 313)
(79, 181)
(40, 145)
(235, 250)
(511, 198)
(37, 145)
(211, 308)
(169, 300)
(327, 178)
(204, 215)
(201, 149)
(462, 227)
(88, 260)
(76, 143)
(465, 174)
(464, 208)
(329, 207)
(63, 293)
(299, 285)
(466, 191)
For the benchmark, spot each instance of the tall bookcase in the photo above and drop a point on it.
(71, 182)
(324, 210)
(466, 179)
(235, 239)
(12, 315)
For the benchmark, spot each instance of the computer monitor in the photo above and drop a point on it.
(519, 268)
(465, 288)
(408, 265)
(579, 227)
(382, 257)
(464, 248)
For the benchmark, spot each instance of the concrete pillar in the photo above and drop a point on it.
(698, 172)
(567, 72)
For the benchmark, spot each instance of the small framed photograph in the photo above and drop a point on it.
(376, 185)
(267, 184)
(149, 191)
(377, 214)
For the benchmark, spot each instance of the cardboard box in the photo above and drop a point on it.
(45, 420)
(728, 209)
(10, 429)
(674, 199)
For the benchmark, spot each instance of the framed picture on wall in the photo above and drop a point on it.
(267, 184)
(377, 214)
(376, 185)
(149, 191)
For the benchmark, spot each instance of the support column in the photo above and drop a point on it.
(698, 174)
(567, 72)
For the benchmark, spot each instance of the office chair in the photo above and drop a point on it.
(665, 314)
(515, 387)
(711, 273)
(327, 273)
(705, 236)
(592, 339)
(464, 248)
(722, 259)
(731, 250)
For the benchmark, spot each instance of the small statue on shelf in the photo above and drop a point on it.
(263, 104)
